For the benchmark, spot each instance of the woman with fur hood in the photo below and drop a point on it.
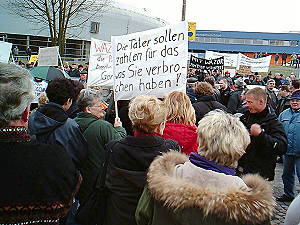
(202, 188)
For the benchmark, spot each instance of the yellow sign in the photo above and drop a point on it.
(192, 31)
(33, 58)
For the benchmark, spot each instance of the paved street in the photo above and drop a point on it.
(281, 207)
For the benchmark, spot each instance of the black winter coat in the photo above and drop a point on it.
(235, 102)
(261, 154)
(224, 96)
(127, 168)
(206, 104)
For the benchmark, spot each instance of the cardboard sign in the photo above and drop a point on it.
(5, 49)
(244, 70)
(100, 64)
(48, 56)
(152, 62)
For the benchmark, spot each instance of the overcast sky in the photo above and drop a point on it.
(228, 15)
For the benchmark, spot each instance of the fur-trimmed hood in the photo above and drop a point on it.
(246, 200)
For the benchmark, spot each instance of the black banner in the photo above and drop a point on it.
(207, 64)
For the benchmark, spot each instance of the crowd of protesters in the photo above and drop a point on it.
(200, 157)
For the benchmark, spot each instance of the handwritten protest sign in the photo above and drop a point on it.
(100, 65)
(257, 65)
(152, 62)
(5, 49)
(244, 70)
(48, 56)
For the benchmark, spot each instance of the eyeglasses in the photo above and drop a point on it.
(102, 106)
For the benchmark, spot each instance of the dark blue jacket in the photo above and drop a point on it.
(50, 124)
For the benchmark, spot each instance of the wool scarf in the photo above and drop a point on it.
(206, 164)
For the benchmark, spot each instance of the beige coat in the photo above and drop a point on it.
(178, 185)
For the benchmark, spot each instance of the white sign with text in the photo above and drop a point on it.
(39, 88)
(153, 62)
(100, 64)
(5, 49)
(229, 59)
(257, 65)
(48, 56)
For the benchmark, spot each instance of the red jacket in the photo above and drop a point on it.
(185, 135)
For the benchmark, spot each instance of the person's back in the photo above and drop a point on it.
(39, 180)
(26, 168)
(181, 118)
(130, 158)
(203, 188)
(50, 123)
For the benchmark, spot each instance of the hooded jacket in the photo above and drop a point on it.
(51, 125)
(129, 161)
(181, 193)
(185, 135)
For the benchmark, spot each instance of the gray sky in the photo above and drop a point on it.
(229, 15)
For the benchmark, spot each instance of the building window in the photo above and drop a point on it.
(293, 43)
(95, 27)
(244, 41)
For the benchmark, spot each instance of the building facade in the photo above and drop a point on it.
(117, 19)
(248, 43)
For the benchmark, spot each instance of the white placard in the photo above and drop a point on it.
(48, 56)
(39, 87)
(257, 65)
(100, 64)
(152, 62)
(5, 49)
(229, 59)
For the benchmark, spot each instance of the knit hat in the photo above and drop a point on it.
(295, 95)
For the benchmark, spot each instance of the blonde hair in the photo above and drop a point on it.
(42, 100)
(222, 138)
(257, 93)
(146, 113)
(179, 108)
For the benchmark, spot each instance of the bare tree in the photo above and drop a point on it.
(57, 15)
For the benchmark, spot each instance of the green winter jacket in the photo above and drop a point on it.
(98, 133)
(180, 193)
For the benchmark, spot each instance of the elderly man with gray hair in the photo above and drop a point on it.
(39, 180)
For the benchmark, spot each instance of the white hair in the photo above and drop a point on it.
(16, 92)
(222, 138)
(88, 97)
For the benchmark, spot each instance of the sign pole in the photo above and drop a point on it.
(59, 56)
